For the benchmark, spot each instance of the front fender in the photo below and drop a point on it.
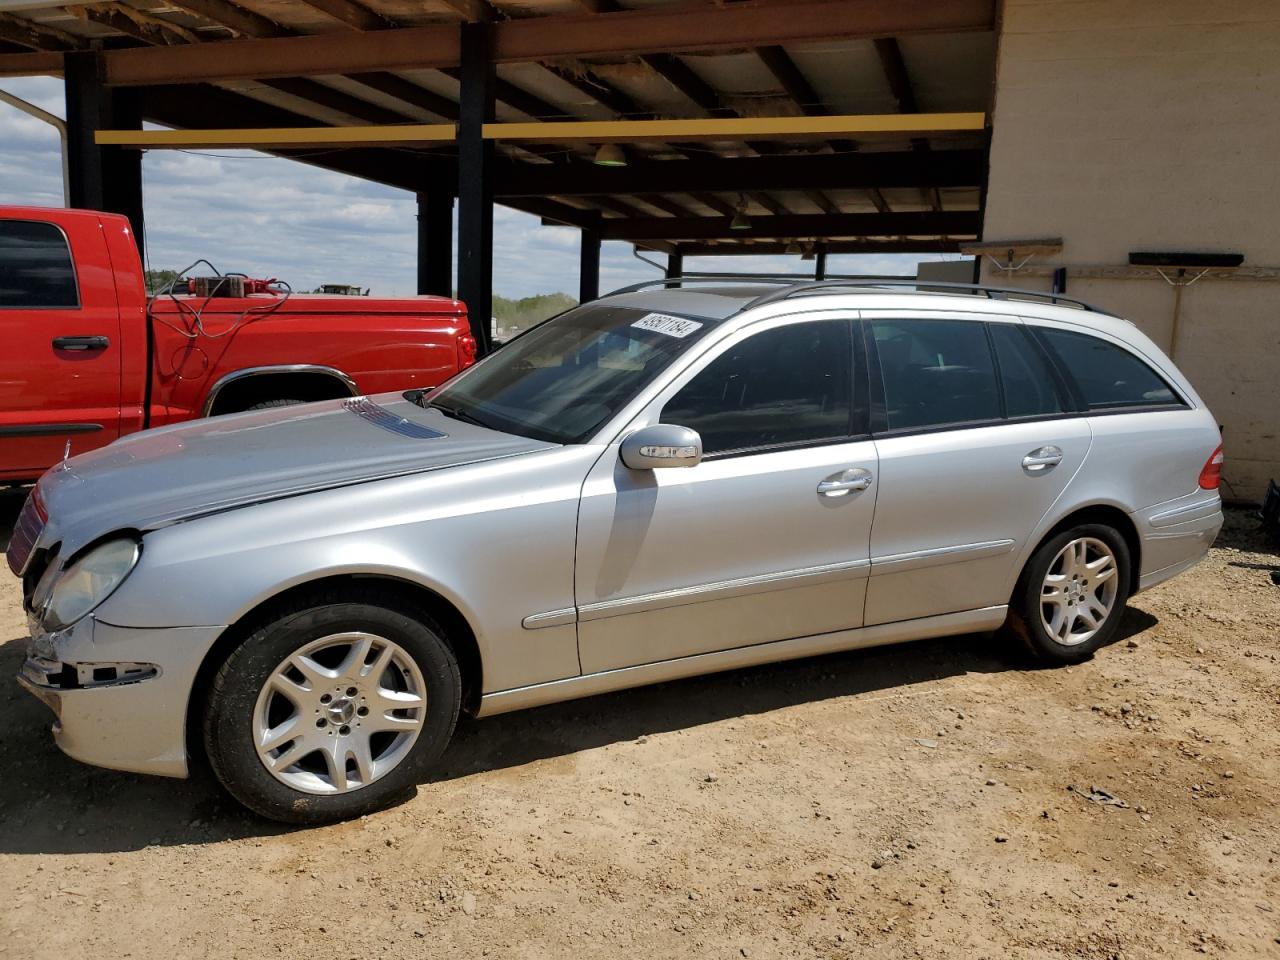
(496, 540)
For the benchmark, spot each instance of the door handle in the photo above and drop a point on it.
(81, 343)
(842, 483)
(1041, 459)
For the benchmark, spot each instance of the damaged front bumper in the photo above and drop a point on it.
(120, 694)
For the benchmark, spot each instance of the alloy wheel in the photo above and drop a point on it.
(1079, 591)
(339, 713)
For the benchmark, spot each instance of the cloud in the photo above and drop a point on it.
(267, 216)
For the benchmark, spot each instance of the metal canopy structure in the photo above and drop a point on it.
(744, 127)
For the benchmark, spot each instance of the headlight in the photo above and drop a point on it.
(89, 581)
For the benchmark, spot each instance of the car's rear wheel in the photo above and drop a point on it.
(332, 710)
(1072, 594)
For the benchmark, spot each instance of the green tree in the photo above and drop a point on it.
(157, 280)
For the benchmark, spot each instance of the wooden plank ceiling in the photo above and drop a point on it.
(293, 63)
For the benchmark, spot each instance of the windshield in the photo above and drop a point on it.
(563, 379)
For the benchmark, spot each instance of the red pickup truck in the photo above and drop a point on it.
(86, 356)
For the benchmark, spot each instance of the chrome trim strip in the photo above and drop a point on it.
(936, 556)
(552, 618)
(723, 589)
(235, 375)
(554, 691)
(1191, 511)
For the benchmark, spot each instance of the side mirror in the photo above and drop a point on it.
(662, 445)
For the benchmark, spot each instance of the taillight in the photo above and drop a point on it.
(466, 350)
(1211, 475)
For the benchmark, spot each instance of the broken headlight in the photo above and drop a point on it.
(88, 581)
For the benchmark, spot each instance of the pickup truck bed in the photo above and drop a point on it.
(88, 358)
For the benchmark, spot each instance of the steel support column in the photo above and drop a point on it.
(589, 266)
(475, 179)
(101, 178)
(675, 265)
(820, 264)
(435, 243)
(86, 112)
(122, 167)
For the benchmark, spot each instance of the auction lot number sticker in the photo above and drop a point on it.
(670, 326)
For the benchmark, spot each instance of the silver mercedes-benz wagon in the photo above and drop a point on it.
(310, 596)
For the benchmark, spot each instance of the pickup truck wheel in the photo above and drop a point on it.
(269, 404)
(332, 711)
(1072, 594)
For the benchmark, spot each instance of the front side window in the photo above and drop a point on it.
(564, 379)
(936, 373)
(35, 266)
(788, 385)
(1105, 374)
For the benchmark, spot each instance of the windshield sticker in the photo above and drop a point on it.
(677, 327)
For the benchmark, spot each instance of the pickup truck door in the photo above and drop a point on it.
(60, 326)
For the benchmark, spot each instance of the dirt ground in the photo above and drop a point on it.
(931, 800)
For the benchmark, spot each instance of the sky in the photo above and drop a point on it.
(271, 217)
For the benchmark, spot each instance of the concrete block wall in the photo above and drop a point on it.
(1125, 125)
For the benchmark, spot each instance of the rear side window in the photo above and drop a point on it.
(936, 373)
(1107, 375)
(788, 385)
(1028, 382)
(35, 266)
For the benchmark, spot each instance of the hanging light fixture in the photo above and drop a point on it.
(740, 219)
(610, 155)
(792, 247)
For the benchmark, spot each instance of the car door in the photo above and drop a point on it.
(60, 326)
(976, 439)
(766, 538)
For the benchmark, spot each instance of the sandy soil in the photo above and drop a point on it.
(922, 801)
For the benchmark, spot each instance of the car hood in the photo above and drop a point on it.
(188, 470)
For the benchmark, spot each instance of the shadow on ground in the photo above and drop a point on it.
(11, 499)
(52, 804)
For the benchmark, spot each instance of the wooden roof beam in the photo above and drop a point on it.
(36, 36)
(237, 19)
(586, 82)
(954, 223)
(660, 29)
(892, 169)
(352, 14)
(899, 80)
(315, 92)
(475, 11)
(830, 246)
(133, 22)
(408, 92)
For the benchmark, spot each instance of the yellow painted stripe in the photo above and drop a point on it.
(570, 130)
(737, 128)
(382, 135)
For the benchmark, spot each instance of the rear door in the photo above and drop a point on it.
(60, 327)
(976, 439)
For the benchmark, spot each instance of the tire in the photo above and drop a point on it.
(1061, 631)
(272, 404)
(340, 754)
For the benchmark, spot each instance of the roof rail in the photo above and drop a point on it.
(868, 286)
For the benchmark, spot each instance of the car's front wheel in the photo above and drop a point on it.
(1072, 593)
(332, 710)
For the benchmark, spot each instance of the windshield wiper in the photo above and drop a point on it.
(457, 413)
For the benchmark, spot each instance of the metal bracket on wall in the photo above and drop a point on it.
(1010, 256)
